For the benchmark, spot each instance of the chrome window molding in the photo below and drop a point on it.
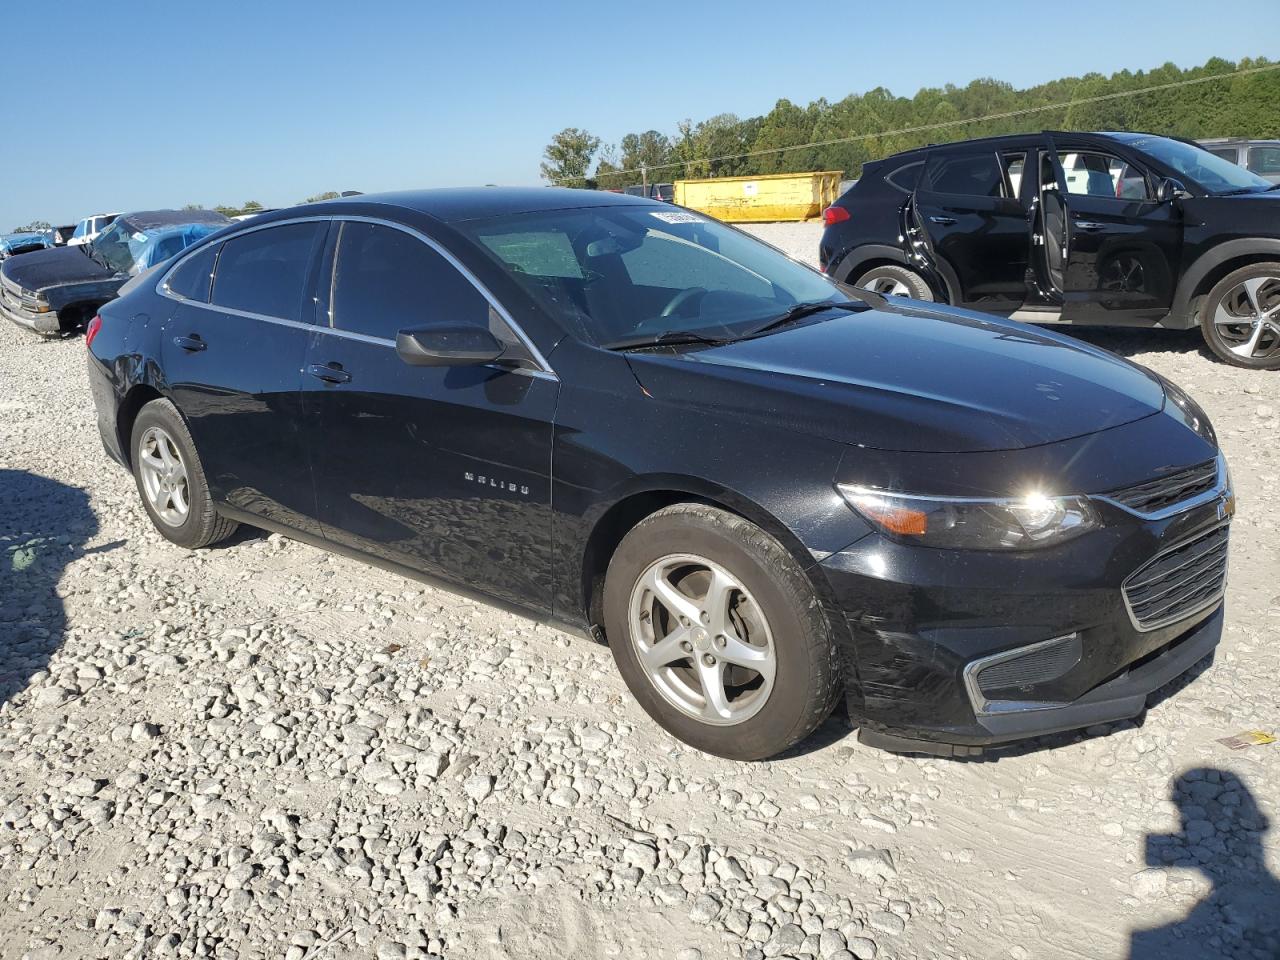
(1220, 489)
(983, 707)
(543, 370)
(1182, 614)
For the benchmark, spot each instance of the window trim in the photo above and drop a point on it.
(544, 369)
(889, 177)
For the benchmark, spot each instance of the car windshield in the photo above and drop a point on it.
(120, 248)
(129, 250)
(1213, 173)
(626, 275)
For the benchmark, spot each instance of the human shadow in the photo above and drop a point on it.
(44, 525)
(1221, 836)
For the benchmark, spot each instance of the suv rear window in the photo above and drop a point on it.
(966, 174)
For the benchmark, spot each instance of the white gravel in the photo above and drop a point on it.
(262, 751)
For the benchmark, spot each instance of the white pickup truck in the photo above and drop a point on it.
(89, 228)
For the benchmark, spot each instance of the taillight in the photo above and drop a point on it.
(833, 215)
(92, 329)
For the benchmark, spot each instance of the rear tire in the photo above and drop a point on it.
(890, 280)
(171, 480)
(1240, 318)
(755, 633)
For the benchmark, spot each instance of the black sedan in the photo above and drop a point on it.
(768, 492)
(56, 290)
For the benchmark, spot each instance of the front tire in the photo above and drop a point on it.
(718, 633)
(171, 479)
(894, 281)
(1240, 318)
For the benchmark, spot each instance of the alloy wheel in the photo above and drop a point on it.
(164, 477)
(702, 640)
(888, 287)
(1248, 318)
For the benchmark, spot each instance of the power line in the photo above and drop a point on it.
(1008, 114)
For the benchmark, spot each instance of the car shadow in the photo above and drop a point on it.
(1221, 838)
(44, 525)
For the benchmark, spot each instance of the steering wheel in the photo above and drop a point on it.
(680, 299)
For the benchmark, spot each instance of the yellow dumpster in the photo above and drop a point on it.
(772, 196)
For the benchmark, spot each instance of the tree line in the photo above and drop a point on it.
(794, 138)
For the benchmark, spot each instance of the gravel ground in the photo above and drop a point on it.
(265, 751)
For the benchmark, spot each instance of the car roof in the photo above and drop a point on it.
(1017, 139)
(150, 219)
(452, 204)
(1233, 141)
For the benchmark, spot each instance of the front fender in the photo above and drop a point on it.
(1179, 316)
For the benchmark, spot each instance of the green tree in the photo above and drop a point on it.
(327, 195)
(874, 124)
(567, 158)
(650, 150)
(35, 226)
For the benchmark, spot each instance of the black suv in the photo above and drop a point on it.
(1123, 229)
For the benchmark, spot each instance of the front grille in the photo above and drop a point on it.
(1155, 496)
(1041, 663)
(1179, 582)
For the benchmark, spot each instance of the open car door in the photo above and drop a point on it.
(966, 205)
(1110, 249)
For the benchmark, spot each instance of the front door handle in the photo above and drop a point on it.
(329, 373)
(192, 344)
(943, 220)
(1090, 225)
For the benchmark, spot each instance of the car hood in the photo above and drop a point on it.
(42, 269)
(910, 379)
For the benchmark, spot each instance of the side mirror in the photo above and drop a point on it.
(448, 345)
(1170, 189)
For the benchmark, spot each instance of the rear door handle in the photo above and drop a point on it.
(1090, 225)
(942, 220)
(192, 343)
(329, 373)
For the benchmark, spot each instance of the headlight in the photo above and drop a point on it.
(960, 523)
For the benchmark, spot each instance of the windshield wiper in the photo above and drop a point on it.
(666, 338)
(804, 309)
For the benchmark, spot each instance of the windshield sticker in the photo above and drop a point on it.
(674, 217)
(140, 237)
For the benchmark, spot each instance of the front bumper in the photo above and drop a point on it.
(918, 617)
(45, 324)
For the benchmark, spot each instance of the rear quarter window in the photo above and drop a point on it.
(193, 276)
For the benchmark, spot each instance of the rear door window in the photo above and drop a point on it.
(265, 271)
(386, 280)
(1264, 161)
(905, 177)
(965, 174)
(193, 276)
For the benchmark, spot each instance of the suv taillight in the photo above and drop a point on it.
(833, 215)
(92, 329)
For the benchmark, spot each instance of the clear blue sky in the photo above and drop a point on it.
(157, 103)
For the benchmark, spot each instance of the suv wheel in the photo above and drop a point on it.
(718, 634)
(891, 280)
(1240, 318)
(171, 480)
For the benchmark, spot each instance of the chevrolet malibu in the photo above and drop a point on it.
(768, 493)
